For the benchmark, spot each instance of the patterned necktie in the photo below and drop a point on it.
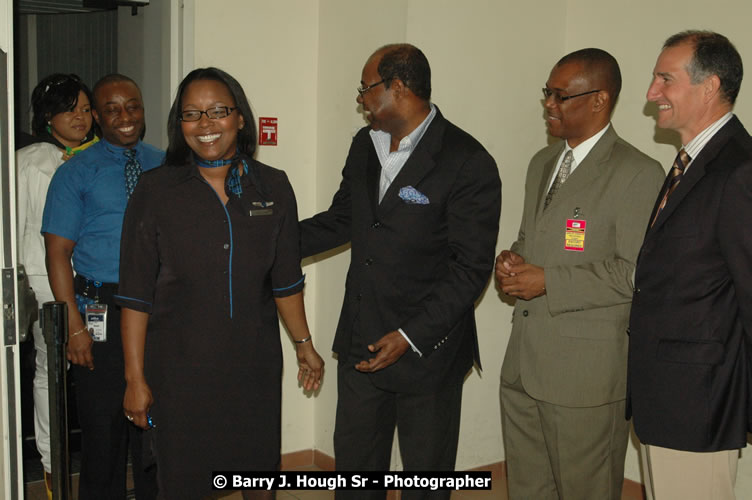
(132, 172)
(672, 180)
(561, 177)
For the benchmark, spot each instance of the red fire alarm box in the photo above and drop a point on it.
(267, 131)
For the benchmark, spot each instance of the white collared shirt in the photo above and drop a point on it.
(695, 146)
(392, 162)
(579, 153)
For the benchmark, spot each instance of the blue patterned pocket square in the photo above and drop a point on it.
(412, 196)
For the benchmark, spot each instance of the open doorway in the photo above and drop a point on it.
(47, 42)
(87, 41)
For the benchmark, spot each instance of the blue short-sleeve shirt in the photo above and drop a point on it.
(86, 203)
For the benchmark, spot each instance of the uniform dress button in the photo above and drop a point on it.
(376, 225)
(636, 290)
(525, 313)
(226, 246)
(369, 262)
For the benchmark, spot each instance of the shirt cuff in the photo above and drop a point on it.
(289, 290)
(133, 303)
(415, 349)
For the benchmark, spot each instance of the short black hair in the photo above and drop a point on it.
(112, 78)
(409, 64)
(600, 66)
(714, 54)
(178, 151)
(56, 93)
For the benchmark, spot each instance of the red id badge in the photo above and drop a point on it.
(574, 235)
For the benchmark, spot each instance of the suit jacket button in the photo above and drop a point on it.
(525, 313)
(636, 290)
(376, 225)
(629, 331)
(369, 262)
(359, 296)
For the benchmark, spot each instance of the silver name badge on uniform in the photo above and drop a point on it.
(261, 208)
(96, 321)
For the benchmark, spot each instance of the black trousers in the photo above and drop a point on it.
(106, 435)
(427, 425)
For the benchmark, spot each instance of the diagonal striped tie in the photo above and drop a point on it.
(672, 180)
(561, 177)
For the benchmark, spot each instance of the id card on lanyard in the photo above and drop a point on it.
(96, 321)
(96, 317)
(574, 232)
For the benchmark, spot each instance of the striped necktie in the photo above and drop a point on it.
(561, 177)
(672, 180)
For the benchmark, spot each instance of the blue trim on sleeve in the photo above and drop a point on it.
(301, 280)
(131, 298)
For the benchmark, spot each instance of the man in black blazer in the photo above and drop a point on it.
(419, 202)
(691, 316)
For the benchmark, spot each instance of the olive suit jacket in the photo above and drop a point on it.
(692, 308)
(416, 266)
(569, 345)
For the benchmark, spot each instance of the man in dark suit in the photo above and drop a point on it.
(692, 306)
(564, 374)
(419, 201)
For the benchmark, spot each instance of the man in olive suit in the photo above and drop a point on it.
(587, 202)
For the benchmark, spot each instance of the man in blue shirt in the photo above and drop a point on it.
(82, 221)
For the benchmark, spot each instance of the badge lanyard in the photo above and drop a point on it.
(96, 317)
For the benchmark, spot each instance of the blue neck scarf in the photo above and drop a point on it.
(233, 182)
(213, 164)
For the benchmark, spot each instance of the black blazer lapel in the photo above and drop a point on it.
(421, 162)
(695, 172)
(697, 169)
(373, 174)
(657, 204)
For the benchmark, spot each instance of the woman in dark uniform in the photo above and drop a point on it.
(209, 255)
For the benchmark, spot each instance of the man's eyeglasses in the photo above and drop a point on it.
(194, 115)
(547, 92)
(362, 90)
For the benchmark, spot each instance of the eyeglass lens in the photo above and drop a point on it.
(194, 115)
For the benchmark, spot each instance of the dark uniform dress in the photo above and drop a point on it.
(208, 273)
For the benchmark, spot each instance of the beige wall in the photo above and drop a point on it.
(300, 60)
